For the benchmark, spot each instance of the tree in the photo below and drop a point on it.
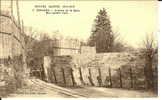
(101, 36)
(117, 43)
(37, 46)
(30, 40)
(149, 51)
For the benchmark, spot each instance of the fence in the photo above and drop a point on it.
(62, 72)
(66, 77)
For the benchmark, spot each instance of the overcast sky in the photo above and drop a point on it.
(132, 19)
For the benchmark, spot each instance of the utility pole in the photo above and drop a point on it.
(24, 51)
(18, 13)
(12, 33)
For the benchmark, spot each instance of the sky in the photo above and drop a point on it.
(132, 19)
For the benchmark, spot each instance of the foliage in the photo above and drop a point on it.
(102, 36)
(37, 46)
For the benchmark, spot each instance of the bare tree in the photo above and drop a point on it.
(149, 50)
(30, 38)
(117, 44)
(31, 35)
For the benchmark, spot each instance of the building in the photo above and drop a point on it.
(11, 38)
(63, 47)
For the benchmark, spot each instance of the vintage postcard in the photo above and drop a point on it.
(79, 48)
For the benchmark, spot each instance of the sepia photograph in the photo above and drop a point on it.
(79, 48)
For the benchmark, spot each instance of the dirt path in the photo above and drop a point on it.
(98, 92)
(38, 88)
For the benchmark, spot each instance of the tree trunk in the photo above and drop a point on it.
(149, 73)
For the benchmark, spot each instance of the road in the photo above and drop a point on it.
(38, 88)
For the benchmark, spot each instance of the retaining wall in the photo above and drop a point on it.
(11, 55)
(126, 70)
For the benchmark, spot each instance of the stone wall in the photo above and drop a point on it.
(87, 49)
(58, 69)
(103, 62)
(11, 55)
(94, 70)
(10, 37)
